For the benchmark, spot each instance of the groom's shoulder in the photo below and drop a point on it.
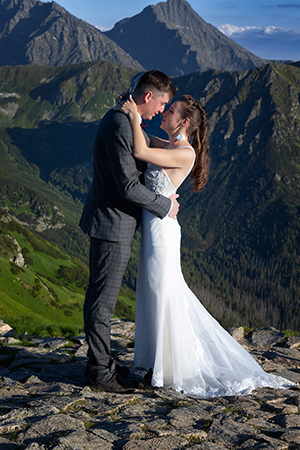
(115, 116)
(114, 120)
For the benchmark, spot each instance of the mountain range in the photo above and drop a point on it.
(33, 32)
(58, 77)
(173, 37)
(170, 36)
(240, 236)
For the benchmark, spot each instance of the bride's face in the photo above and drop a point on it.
(172, 118)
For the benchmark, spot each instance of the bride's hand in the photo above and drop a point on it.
(127, 106)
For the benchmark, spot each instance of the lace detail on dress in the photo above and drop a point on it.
(157, 180)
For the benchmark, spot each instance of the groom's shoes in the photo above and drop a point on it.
(111, 382)
(148, 376)
(122, 370)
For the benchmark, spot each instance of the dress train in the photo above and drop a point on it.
(175, 336)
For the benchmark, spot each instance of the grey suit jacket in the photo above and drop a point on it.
(117, 195)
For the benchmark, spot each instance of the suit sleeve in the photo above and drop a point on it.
(124, 170)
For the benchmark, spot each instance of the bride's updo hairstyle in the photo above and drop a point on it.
(197, 131)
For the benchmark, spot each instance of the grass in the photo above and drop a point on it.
(46, 297)
(34, 299)
(19, 294)
(42, 328)
(291, 333)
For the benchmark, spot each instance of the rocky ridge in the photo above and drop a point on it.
(173, 37)
(170, 36)
(44, 33)
(45, 404)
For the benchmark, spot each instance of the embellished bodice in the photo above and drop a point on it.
(157, 180)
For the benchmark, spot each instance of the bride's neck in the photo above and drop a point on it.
(174, 138)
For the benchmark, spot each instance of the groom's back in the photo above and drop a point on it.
(107, 214)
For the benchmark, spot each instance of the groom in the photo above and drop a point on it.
(111, 216)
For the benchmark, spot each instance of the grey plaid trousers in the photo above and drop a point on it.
(108, 261)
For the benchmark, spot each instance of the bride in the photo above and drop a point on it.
(176, 339)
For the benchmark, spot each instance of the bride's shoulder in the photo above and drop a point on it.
(185, 146)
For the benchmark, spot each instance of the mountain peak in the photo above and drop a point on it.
(34, 32)
(175, 39)
(169, 36)
(172, 8)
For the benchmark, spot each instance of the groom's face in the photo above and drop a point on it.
(155, 104)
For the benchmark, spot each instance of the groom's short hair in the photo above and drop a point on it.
(156, 81)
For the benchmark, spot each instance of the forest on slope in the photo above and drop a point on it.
(240, 236)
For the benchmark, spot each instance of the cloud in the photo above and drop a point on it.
(236, 31)
(267, 42)
(103, 29)
(291, 5)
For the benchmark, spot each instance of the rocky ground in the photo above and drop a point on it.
(45, 405)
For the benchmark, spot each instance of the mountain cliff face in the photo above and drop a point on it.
(33, 32)
(240, 236)
(247, 243)
(173, 37)
(170, 36)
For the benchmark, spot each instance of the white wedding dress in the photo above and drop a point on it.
(175, 336)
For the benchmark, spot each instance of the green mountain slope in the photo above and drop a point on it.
(240, 245)
(242, 232)
(47, 291)
(46, 143)
(46, 169)
(41, 287)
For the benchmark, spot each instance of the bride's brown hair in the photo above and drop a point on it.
(197, 130)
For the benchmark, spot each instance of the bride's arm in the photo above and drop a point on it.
(167, 158)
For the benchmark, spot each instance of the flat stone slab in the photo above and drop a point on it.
(80, 440)
(5, 329)
(264, 338)
(51, 343)
(45, 403)
(237, 333)
(50, 428)
(164, 443)
(293, 342)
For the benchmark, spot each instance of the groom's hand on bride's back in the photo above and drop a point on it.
(175, 206)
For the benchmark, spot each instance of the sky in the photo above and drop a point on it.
(268, 28)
